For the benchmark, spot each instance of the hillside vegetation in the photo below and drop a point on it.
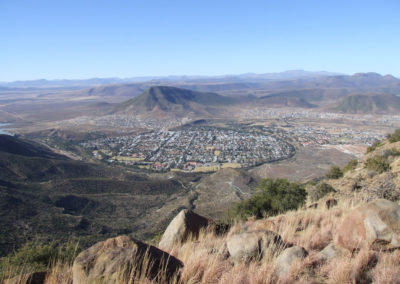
(291, 233)
(48, 196)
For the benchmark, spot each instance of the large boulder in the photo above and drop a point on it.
(245, 246)
(119, 259)
(286, 259)
(375, 225)
(186, 224)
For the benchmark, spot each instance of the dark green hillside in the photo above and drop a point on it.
(368, 104)
(10, 144)
(45, 196)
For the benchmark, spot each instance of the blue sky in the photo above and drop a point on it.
(83, 39)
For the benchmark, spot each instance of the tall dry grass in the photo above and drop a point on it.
(206, 259)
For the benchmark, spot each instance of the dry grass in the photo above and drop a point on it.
(207, 261)
(387, 269)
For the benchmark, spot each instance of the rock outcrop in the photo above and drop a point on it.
(286, 259)
(246, 246)
(185, 225)
(119, 259)
(375, 225)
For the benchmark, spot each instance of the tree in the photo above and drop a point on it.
(379, 164)
(395, 136)
(273, 196)
(334, 172)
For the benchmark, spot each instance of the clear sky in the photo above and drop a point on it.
(79, 39)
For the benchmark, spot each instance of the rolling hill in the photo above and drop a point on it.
(281, 100)
(163, 101)
(170, 100)
(384, 103)
(46, 196)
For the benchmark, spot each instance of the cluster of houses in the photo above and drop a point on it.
(192, 149)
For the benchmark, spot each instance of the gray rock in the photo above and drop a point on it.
(329, 252)
(245, 246)
(185, 225)
(286, 259)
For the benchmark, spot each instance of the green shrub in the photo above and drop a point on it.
(312, 182)
(374, 146)
(391, 152)
(273, 196)
(379, 164)
(33, 257)
(395, 136)
(320, 191)
(350, 166)
(334, 172)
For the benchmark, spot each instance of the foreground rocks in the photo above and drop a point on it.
(286, 259)
(185, 225)
(119, 259)
(375, 225)
(329, 252)
(247, 246)
(253, 240)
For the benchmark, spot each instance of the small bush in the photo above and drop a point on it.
(312, 182)
(350, 166)
(356, 185)
(379, 164)
(395, 136)
(273, 196)
(391, 152)
(334, 172)
(374, 146)
(320, 191)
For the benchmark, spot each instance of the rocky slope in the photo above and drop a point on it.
(350, 235)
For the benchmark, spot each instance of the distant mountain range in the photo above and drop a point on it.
(360, 93)
(206, 96)
(62, 83)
